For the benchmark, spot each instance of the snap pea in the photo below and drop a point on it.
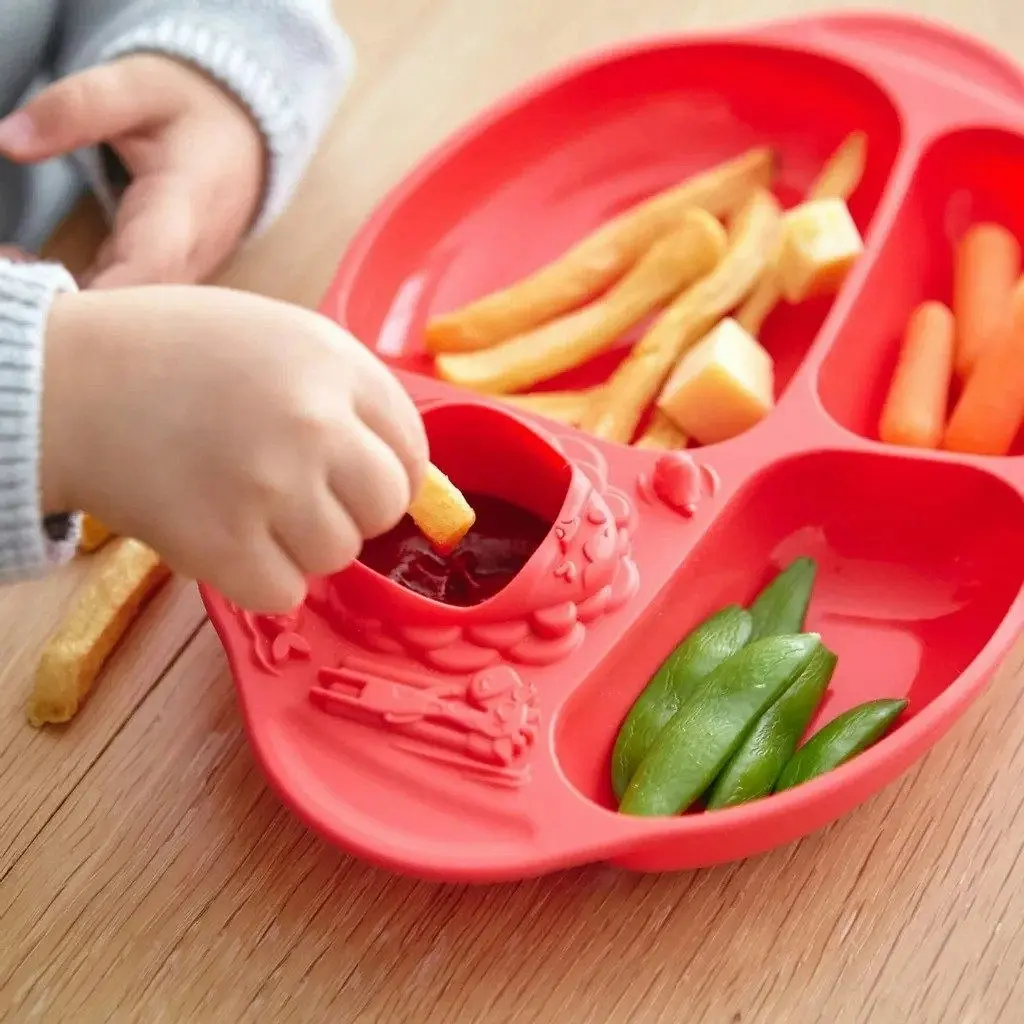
(843, 738)
(709, 726)
(781, 608)
(755, 768)
(702, 651)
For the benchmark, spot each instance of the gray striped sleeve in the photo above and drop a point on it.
(287, 61)
(28, 544)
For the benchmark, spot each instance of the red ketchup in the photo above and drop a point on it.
(500, 543)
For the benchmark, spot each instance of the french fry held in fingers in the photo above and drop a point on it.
(639, 378)
(441, 511)
(599, 260)
(568, 407)
(661, 434)
(673, 262)
(838, 179)
(125, 574)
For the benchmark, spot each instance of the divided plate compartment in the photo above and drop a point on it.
(473, 744)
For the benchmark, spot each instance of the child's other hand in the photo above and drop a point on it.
(248, 441)
(196, 159)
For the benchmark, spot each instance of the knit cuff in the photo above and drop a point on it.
(288, 68)
(29, 545)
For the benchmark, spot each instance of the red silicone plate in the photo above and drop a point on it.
(473, 743)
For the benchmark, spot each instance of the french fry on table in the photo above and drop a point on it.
(661, 434)
(638, 379)
(441, 511)
(568, 407)
(124, 575)
(94, 535)
(838, 179)
(599, 260)
(673, 262)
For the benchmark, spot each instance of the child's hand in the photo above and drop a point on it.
(196, 158)
(248, 441)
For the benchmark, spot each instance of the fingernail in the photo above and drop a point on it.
(17, 131)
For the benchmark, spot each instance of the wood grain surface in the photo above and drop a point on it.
(148, 874)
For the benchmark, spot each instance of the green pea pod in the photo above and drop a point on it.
(703, 650)
(711, 724)
(756, 766)
(839, 741)
(781, 608)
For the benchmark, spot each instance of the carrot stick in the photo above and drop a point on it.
(639, 377)
(987, 265)
(838, 179)
(915, 409)
(599, 260)
(990, 411)
(672, 263)
(661, 433)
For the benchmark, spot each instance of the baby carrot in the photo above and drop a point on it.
(991, 409)
(988, 263)
(915, 410)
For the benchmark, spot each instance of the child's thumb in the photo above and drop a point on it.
(82, 110)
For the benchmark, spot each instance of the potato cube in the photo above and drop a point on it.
(820, 243)
(723, 386)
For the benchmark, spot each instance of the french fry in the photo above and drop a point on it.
(636, 382)
(125, 574)
(838, 179)
(599, 260)
(661, 434)
(672, 263)
(843, 171)
(568, 407)
(94, 535)
(441, 511)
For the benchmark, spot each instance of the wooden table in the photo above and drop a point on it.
(148, 874)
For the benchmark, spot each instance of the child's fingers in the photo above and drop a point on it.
(386, 408)
(261, 577)
(12, 254)
(153, 236)
(370, 482)
(317, 532)
(78, 111)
